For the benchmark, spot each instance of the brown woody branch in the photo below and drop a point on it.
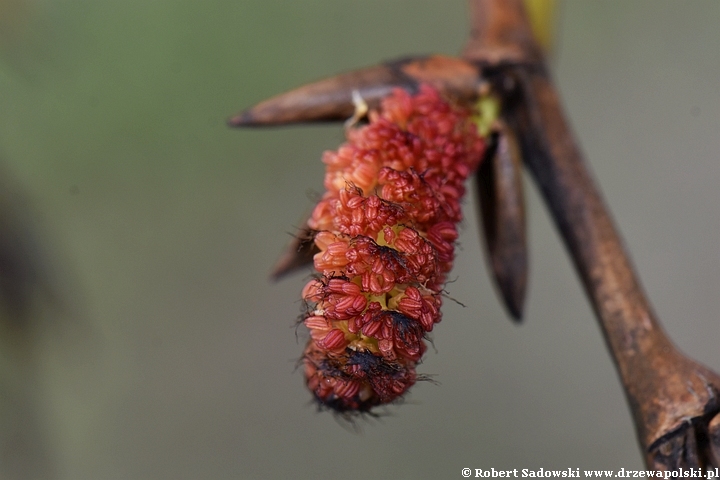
(673, 399)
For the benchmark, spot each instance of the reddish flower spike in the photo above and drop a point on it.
(386, 233)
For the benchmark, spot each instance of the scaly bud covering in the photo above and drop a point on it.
(386, 232)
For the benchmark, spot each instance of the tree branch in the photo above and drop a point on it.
(672, 397)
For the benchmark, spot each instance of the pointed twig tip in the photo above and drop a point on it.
(502, 212)
(243, 119)
(516, 313)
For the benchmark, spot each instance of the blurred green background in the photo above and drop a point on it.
(166, 353)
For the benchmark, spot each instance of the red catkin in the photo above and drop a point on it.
(386, 234)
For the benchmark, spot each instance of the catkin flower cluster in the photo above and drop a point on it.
(385, 228)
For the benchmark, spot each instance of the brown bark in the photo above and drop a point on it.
(672, 398)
